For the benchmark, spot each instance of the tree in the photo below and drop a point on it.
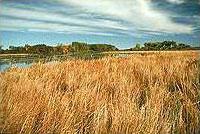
(137, 47)
(151, 46)
(165, 45)
(183, 46)
(102, 47)
(1, 47)
(79, 47)
(12, 48)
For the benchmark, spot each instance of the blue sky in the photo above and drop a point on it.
(119, 22)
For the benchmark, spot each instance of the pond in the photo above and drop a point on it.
(28, 60)
(5, 66)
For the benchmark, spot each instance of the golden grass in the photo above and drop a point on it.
(142, 94)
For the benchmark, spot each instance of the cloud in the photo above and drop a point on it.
(176, 1)
(36, 26)
(45, 15)
(102, 17)
(137, 12)
(45, 20)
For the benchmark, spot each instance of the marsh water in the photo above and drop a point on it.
(27, 60)
(5, 66)
(23, 61)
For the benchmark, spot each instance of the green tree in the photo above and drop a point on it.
(183, 46)
(102, 47)
(151, 46)
(1, 47)
(80, 47)
(167, 45)
(137, 47)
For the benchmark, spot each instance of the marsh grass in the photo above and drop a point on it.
(144, 94)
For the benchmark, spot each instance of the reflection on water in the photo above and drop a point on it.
(18, 61)
(6, 65)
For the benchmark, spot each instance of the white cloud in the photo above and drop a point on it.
(35, 26)
(137, 12)
(43, 15)
(176, 1)
(126, 17)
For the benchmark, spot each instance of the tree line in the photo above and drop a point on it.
(84, 47)
(59, 49)
(165, 45)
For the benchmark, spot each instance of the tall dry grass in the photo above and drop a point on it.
(144, 94)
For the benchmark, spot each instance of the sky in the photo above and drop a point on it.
(122, 23)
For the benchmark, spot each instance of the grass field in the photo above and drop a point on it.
(142, 94)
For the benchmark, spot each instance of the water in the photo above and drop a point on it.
(20, 61)
(6, 65)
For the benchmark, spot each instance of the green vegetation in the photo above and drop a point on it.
(165, 45)
(81, 47)
(43, 49)
(1, 48)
